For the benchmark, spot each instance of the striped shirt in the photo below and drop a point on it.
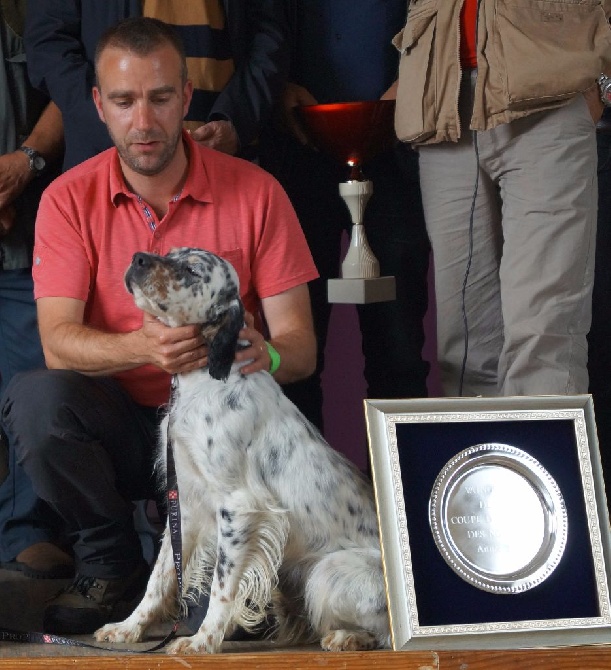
(201, 25)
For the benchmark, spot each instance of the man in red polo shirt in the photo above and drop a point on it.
(84, 430)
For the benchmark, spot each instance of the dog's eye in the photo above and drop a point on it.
(193, 270)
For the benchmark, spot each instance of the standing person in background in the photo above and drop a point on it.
(31, 141)
(237, 59)
(341, 52)
(508, 181)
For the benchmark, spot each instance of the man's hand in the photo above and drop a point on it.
(15, 175)
(595, 104)
(7, 219)
(174, 350)
(295, 96)
(219, 135)
(391, 92)
(257, 352)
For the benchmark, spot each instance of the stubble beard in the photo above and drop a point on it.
(141, 164)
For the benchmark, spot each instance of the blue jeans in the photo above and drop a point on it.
(24, 518)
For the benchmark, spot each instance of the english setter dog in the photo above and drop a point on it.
(272, 517)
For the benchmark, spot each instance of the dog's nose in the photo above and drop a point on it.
(141, 260)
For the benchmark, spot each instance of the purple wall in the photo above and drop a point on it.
(344, 385)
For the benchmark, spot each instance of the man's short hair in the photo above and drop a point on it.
(142, 36)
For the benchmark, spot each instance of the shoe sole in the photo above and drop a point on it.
(59, 572)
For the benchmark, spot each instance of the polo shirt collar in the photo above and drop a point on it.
(197, 185)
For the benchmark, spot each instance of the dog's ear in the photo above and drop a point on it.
(222, 348)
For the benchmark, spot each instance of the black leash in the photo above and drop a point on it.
(8, 635)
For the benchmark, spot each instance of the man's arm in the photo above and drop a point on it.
(289, 320)
(261, 71)
(60, 65)
(71, 345)
(47, 138)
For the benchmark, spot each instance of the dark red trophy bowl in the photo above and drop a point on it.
(352, 133)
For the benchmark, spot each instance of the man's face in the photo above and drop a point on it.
(142, 101)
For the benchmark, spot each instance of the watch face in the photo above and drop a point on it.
(39, 163)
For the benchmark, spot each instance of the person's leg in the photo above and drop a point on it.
(546, 167)
(311, 181)
(599, 338)
(393, 331)
(88, 450)
(452, 182)
(27, 525)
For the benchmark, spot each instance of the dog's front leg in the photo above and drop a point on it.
(157, 604)
(250, 543)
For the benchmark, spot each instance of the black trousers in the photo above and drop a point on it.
(392, 332)
(599, 338)
(88, 450)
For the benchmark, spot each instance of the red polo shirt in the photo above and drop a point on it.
(89, 225)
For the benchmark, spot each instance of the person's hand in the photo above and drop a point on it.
(15, 174)
(7, 219)
(391, 92)
(295, 96)
(174, 350)
(219, 135)
(595, 104)
(257, 353)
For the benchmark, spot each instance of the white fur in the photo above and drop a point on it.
(271, 515)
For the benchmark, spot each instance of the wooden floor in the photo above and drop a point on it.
(22, 601)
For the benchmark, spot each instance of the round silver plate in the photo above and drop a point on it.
(498, 518)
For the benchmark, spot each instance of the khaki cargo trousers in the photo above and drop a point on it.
(514, 264)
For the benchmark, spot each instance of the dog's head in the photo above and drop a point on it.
(192, 286)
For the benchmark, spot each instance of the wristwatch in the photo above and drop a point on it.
(604, 86)
(37, 162)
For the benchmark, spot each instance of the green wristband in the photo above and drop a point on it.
(274, 358)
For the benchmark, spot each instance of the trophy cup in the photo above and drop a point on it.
(352, 133)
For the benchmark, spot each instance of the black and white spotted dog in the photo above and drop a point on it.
(271, 515)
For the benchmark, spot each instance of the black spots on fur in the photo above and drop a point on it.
(308, 509)
(210, 443)
(229, 532)
(208, 420)
(366, 530)
(273, 461)
(221, 563)
(226, 515)
(234, 401)
(351, 510)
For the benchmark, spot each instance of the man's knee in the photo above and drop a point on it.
(37, 404)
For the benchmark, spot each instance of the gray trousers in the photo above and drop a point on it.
(514, 263)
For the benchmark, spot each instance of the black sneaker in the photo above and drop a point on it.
(91, 602)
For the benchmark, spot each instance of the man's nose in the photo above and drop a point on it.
(143, 115)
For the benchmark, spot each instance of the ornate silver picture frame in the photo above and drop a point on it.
(493, 521)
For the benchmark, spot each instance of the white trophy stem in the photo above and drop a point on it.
(360, 262)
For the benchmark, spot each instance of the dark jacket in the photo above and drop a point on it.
(60, 40)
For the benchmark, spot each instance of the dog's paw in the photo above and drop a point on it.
(196, 644)
(348, 640)
(118, 632)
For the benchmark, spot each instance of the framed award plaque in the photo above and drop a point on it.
(493, 521)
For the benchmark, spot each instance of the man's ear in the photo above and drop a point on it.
(222, 348)
(97, 99)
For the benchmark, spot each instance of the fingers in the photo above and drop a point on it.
(174, 350)
(257, 353)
